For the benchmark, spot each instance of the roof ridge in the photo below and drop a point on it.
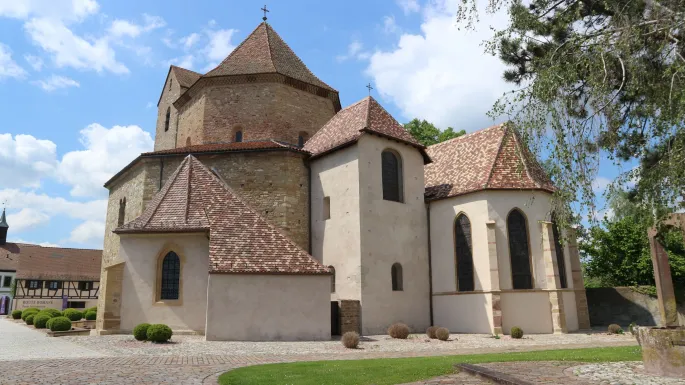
(268, 46)
(523, 158)
(165, 189)
(236, 48)
(368, 111)
(467, 135)
(54, 247)
(494, 161)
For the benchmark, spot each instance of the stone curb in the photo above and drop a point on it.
(492, 375)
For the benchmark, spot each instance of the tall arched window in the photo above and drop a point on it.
(171, 276)
(122, 212)
(166, 120)
(396, 272)
(519, 250)
(392, 176)
(332, 270)
(561, 263)
(239, 136)
(464, 253)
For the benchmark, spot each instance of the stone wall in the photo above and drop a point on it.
(623, 305)
(170, 92)
(350, 316)
(190, 122)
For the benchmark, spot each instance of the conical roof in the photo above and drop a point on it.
(3, 220)
(263, 51)
(490, 159)
(194, 199)
(350, 123)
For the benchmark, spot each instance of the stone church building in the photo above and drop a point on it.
(268, 212)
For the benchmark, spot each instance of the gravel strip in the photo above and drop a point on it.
(621, 373)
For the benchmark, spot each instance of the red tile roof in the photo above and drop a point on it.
(493, 158)
(349, 124)
(185, 77)
(241, 241)
(38, 262)
(228, 147)
(263, 51)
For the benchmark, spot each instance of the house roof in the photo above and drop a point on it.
(194, 199)
(350, 123)
(268, 144)
(263, 51)
(39, 262)
(493, 158)
(185, 77)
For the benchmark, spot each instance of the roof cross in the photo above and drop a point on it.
(370, 88)
(265, 11)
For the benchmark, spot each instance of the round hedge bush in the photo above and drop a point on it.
(430, 332)
(350, 340)
(90, 315)
(28, 312)
(29, 319)
(40, 320)
(32, 309)
(615, 329)
(442, 334)
(516, 332)
(94, 308)
(48, 325)
(52, 312)
(60, 324)
(16, 314)
(159, 333)
(73, 314)
(399, 330)
(140, 332)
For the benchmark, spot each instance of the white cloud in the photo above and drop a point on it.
(25, 219)
(107, 151)
(409, 6)
(24, 160)
(35, 62)
(44, 244)
(186, 61)
(219, 46)
(57, 9)
(88, 232)
(189, 41)
(122, 28)
(354, 51)
(56, 82)
(600, 184)
(8, 67)
(441, 74)
(52, 206)
(389, 25)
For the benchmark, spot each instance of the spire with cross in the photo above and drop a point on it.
(265, 11)
(370, 88)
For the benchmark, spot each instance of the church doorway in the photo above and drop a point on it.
(335, 318)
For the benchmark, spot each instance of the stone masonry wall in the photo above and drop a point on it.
(350, 316)
(190, 123)
(262, 110)
(167, 139)
(623, 305)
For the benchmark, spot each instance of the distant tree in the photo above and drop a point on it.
(427, 134)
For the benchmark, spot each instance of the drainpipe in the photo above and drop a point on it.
(309, 201)
(430, 264)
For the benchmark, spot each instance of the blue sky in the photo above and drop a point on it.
(80, 79)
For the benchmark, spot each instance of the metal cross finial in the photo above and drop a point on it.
(265, 11)
(370, 88)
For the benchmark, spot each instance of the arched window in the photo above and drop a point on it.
(168, 117)
(188, 142)
(396, 272)
(519, 250)
(171, 81)
(239, 136)
(392, 176)
(464, 253)
(332, 270)
(561, 263)
(122, 212)
(171, 276)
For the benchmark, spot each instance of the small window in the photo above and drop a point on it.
(85, 285)
(6, 281)
(122, 212)
(238, 136)
(171, 81)
(396, 272)
(326, 208)
(391, 175)
(171, 276)
(33, 284)
(332, 270)
(76, 304)
(168, 118)
(53, 285)
(188, 142)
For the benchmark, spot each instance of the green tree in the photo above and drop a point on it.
(427, 134)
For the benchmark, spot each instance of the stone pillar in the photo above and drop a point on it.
(556, 299)
(494, 279)
(664, 283)
(577, 279)
(350, 316)
(109, 300)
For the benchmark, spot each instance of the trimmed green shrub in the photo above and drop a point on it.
(29, 318)
(350, 340)
(516, 332)
(32, 309)
(615, 329)
(72, 314)
(60, 324)
(90, 315)
(48, 325)
(442, 334)
(94, 308)
(16, 314)
(430, 332)
(28, 312)
(398, 330)
(140, 331)
(52, 312)
(40, 320)
(159, 333)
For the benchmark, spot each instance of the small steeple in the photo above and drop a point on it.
(3, 228)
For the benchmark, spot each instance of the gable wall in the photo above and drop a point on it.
(191, 120)
(167, 139)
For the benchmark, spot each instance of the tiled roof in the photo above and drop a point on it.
(241, 241)
(263, 51)
(227, 147)
(38, 262)
(185, 77)
(9, 256)
(493, 158)
(367, 115)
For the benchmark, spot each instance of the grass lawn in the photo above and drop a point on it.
(389, 371)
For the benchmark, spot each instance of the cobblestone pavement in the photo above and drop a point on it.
(619, 373)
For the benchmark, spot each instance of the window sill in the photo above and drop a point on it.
(168, 302)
